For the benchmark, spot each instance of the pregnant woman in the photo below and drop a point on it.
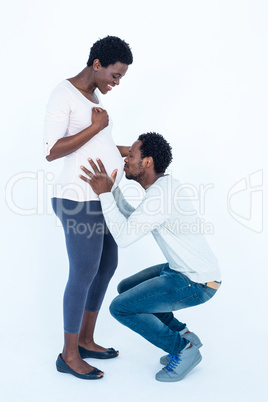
(76, 128)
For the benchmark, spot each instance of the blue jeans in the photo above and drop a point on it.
(146, 302)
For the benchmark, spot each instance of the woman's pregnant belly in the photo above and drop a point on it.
(69, 185)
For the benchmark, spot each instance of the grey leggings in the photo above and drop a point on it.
(93, 258)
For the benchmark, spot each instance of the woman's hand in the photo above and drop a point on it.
(100, 118)
(66, 145)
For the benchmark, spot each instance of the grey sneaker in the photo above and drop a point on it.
(192, 338)
(180, 365)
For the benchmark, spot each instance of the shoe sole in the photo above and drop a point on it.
(174, 379)
(93, 356)
(90, 354)
(61, 370)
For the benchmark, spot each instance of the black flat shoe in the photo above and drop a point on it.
(62, 367)
(110, 354)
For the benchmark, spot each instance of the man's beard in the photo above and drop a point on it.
(130, 177)
(137, 177)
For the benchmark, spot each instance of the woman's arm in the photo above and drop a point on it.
(123, 150)
(67, 145)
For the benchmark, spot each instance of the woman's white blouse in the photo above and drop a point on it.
(68, 112)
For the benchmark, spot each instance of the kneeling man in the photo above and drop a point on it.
(191, 274)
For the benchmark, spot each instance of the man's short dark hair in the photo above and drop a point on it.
(158, 148)
(110, 50)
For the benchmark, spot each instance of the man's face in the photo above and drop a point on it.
(133, 162)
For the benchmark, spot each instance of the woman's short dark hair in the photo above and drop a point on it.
(110, 50)
(158, 148)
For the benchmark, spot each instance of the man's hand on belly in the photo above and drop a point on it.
(99, 181)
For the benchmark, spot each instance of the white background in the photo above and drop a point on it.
(199, 77)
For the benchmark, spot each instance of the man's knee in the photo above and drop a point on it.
(121, 287)
(115, 307)
(124, 285)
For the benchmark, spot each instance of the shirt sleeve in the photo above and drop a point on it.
(56, 118)
(124, 207)
(145, 218)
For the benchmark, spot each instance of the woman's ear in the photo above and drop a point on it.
(96, 65)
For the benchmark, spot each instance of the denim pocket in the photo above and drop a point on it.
(189, 301)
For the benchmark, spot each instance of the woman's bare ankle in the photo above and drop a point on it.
(79, 365)
(70, 355)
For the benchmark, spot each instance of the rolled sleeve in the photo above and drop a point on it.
(56, 118)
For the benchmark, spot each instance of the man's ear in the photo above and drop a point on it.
(149, 162)
(96, 65)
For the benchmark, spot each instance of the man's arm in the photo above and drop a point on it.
(124, 207)
(128, 230)
(123, 150)
(101, 183)
(147, 217)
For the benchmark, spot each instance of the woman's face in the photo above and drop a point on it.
(107, 77)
